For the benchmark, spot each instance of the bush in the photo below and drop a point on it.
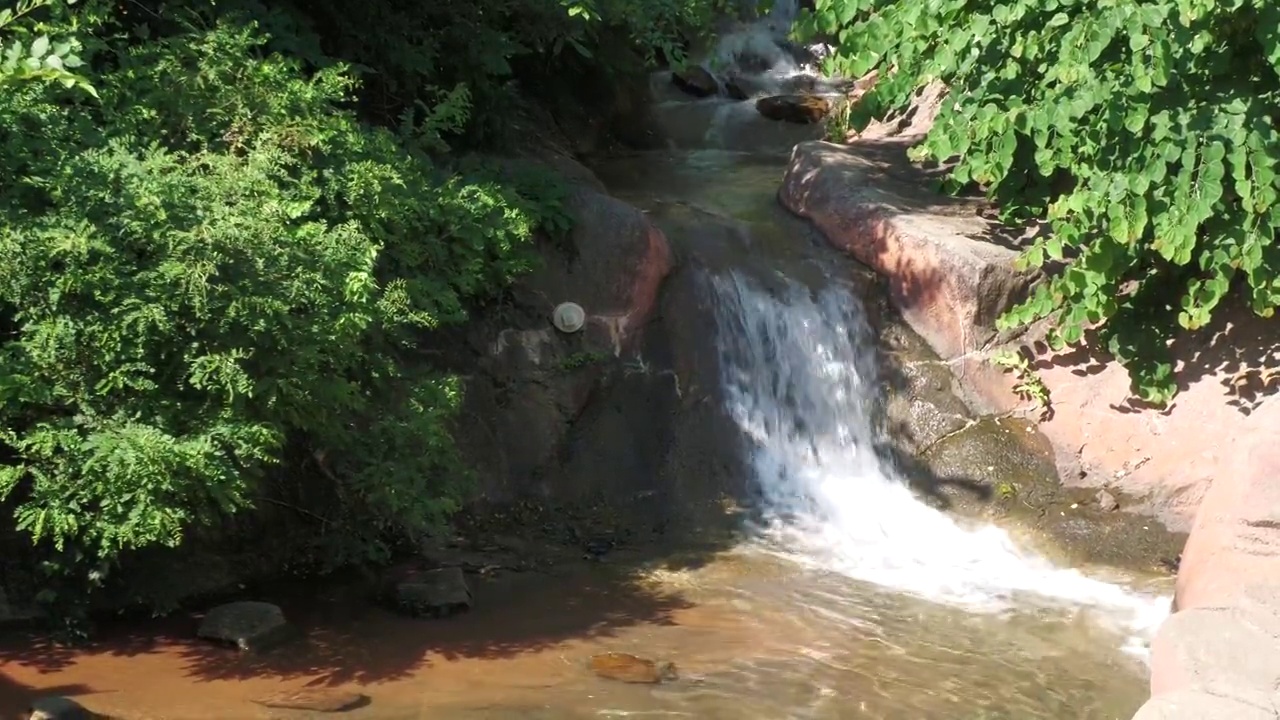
(1143, 129)
(219, 262)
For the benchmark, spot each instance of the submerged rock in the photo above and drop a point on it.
(696, 80)
(432, 593)
(321, 700)
(1107, 501)
(56, 707)
(628, 668)
(248, 625)
(798, 109)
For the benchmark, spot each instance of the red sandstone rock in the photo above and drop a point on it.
(1228, 652)
(1194, 705)
(1161, 462)
(1232, 558)
(1224, 641)
(949, 282)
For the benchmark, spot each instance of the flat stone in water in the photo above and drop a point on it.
(315, 700)
(628, 668)
(247, 624)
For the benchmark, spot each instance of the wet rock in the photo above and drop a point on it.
(1107, 502)
(321, 700)
(248, 625)
(696, 80)
(798, 109)
(737, 89)
(1195, 705)
(56, 707)
(945, 273)
(628, 668)
(432, 593)
(985, 460)
(922, 410)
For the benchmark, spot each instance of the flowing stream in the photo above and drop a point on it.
(801, 383)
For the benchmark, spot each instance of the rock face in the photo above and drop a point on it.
(798, 109)
(628, 668)
(528, 383)
(1154, 462)
(948, 279)
(1218, 656)
(248, 625)
(434, 593)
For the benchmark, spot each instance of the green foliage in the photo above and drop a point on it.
(1144, 130)
(490, 47)
(27, 53)
(215, 264)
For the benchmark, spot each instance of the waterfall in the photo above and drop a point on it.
(800, 380)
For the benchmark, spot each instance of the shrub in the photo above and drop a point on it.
(217, 262)
(1144, 130)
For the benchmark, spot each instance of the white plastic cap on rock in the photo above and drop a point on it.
(568, 317)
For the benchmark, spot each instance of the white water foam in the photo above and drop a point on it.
(800, 380)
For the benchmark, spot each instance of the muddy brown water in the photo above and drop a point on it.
(754, 636)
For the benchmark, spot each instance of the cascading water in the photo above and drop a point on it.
(800, 380)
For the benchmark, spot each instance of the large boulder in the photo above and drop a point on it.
(1232, 558)
(528, 383)
(1196, 705)
(1228, 652)
(946, 271)
(1224, 639)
